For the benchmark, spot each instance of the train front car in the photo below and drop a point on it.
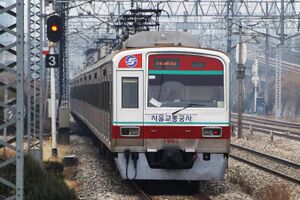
(171, 112)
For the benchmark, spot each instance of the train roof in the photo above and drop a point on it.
(150, 39)
(161, 38)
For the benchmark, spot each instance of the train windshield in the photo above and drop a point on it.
(180, 90)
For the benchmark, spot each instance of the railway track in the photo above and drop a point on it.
(267, 163)
(144, 196)
(285, 65)
(267, 130)
(257, 119)
(278, 128)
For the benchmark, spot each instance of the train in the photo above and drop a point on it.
(160, 105)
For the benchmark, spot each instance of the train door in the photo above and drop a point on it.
(130, 98)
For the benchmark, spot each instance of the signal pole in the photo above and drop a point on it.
(53, 110)
(54, 35)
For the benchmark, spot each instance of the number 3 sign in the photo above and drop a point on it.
(52, 60)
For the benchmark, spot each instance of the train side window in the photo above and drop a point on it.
(102, 95)
(105, 95)
(130, 92)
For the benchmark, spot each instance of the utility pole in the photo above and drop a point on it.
(255, 81)
(278, 83)
(229, 16)
(63, 74)
(241, 59)
(282, 23)
(185, 29)
(267, 71)
(278, 65)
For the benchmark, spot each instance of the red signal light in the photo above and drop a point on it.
(54, 28)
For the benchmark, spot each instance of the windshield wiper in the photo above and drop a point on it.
(187, 106)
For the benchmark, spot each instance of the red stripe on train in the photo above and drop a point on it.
(178, 132)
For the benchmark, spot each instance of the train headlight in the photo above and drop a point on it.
(211, 132)
(130, 131)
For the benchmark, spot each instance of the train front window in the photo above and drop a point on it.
(130, 92)
(179, 90)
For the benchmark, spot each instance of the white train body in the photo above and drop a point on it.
(163, 111)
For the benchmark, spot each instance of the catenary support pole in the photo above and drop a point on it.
(267, 71)
(5, 110)
(20, 102)
(240, 76)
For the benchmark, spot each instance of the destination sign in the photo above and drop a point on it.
(198, 64)
(166, 63)
(184, 62)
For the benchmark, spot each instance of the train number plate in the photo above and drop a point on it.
(171, 141)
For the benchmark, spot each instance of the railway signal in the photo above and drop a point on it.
(54, 28)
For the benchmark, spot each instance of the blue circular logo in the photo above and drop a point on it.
(131, 61)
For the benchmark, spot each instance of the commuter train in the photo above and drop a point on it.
(160, 104)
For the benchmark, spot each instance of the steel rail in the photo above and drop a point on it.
(285, 65)
(271, 121)
(201, 196)
(266, 130)
(145, 196)
(141, 193)
(268, 156)
(271, 171)
(262, 125)
(263, 122)
(11, 140)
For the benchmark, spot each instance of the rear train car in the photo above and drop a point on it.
(161, 105)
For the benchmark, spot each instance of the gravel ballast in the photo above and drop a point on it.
(97, 178)
(280, 147)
